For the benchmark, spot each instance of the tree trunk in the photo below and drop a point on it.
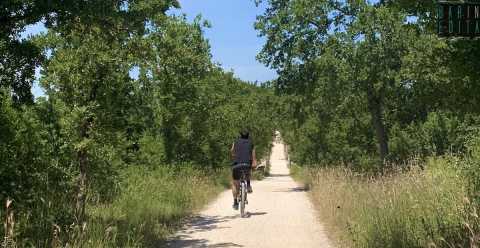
(376, 110)
(82, 156)
(81, 186)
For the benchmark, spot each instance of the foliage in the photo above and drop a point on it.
(132, 95)
(367, 81)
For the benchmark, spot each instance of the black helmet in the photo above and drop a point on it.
(244, 133)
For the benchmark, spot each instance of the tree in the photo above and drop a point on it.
(18, 58)
(380, 41)
(89, 71)
(311, 42)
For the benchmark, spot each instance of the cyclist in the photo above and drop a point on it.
(243, 156)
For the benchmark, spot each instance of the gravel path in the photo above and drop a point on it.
(280, 215)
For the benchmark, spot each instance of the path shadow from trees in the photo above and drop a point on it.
(199, 223)
(199, 243)
(202, 223)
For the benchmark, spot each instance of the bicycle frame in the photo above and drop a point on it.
(242, 194)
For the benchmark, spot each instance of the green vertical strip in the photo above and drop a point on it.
(440, 18)
(459, 18)
(477, 19)
(450, 19)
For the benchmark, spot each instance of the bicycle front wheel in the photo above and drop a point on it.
(243, 194)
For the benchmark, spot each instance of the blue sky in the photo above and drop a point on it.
(232, 37)
(233, 40)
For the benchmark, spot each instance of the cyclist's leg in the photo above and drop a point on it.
(235, 188)
(235, 185)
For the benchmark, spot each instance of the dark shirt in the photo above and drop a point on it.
(242, 150)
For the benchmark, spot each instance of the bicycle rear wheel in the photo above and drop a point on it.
(243, 199)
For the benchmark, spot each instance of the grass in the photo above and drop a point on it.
(151, 206)
(415, 208)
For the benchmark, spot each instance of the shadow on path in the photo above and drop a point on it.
(195, 224)
(249, 214)
(202, 223)
(199, 243)
(293, 190)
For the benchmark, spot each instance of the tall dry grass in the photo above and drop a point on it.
(152, 204)
(414, 208)
(8, 226)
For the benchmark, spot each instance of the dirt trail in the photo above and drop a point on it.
(280, 215)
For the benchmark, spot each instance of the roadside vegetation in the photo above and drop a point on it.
(152, 205)
(134, 129)
(411, 208)
(381, 117)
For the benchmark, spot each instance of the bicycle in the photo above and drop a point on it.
(242, 195)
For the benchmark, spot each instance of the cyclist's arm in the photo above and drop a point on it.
(232, 151)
